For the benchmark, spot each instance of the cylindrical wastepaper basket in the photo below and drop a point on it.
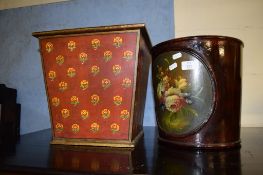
(197, 90)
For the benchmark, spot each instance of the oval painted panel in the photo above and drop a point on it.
(184, 92)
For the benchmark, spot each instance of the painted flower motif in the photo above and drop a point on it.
(115, 165)
(114, 127)
(84, 114)
(95, 99)
(95, 165)
(49, 47)
(127, 55)
(71, 72)
(63, 86)
(51, 75)
(59, 127)
(60, 60)
(126, 83)
(174, 103)
(75, 128)
(94, 127)
(125, 114)
(107, 56)
(65, 113)
(117, 41)
(105, 83)
(95, 70)
(71, 45)
(84, 84)
(117, 100)
(181, 83)
(105, 113)
(74, 100)
(116, 69)
(95, 43)
(55, 101)
(83, 57)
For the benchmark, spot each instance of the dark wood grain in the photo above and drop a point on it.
(34, 155)
(223, 126)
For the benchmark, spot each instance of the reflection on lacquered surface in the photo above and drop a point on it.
(175, 161)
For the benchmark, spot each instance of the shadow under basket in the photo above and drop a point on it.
(197, 90)
(96, 80)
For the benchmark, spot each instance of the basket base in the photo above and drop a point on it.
(201, 145)
(100, 143)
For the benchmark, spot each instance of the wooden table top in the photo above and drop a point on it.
(34, 155)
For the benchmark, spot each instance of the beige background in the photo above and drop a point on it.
(238, 18)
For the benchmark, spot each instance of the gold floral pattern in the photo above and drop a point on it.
(107, 55)
(114, 127)
(49, 47)
(74, 100)
(95, 99)
(127, 55)
(63, 86)
(117, 41)
(59, 127)
(71, 72)
(95, 43)
(94, 127)
(105, 83)
(55, 101)
(116, 69)
(75, 128)
(51, 75)
(65, 113)
(71, 45)
(84, 84)
(105, 113)
(126, 83)
(83, 57)
(95, 70)
(84, 114)
(60, 59)
(117, 100)
(124, 114)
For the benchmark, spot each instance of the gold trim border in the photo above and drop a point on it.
(87, 142)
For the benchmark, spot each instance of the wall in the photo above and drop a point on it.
(237, 18)
(20, 65)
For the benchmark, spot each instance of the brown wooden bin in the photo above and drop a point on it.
(96, 80)
(197, 88)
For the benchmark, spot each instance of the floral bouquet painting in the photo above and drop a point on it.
(175, 101)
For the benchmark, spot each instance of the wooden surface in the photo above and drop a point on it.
(34, 155)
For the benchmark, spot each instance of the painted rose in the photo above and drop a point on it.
(71, 72)
(75, 128)
(83, 57)
(127, 55)
(117, 100)
(95, 70)
(51, 75)
(105, 83)
(117, 41)
(174, 103)
(94, 99)
(116, 69)
(60, 60)
(95, 43)
(105, 113)
(65, 113)
(71, 45)
(125, 114)
(94, 127)
(84, 114)
(63, 86)
(126, 83)
(74, 100)
(49, 47)
(55, 101)
(107, 55)
(114, 127)
(84, 84)
(59, 127)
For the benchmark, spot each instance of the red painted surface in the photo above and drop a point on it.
(62, 126)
